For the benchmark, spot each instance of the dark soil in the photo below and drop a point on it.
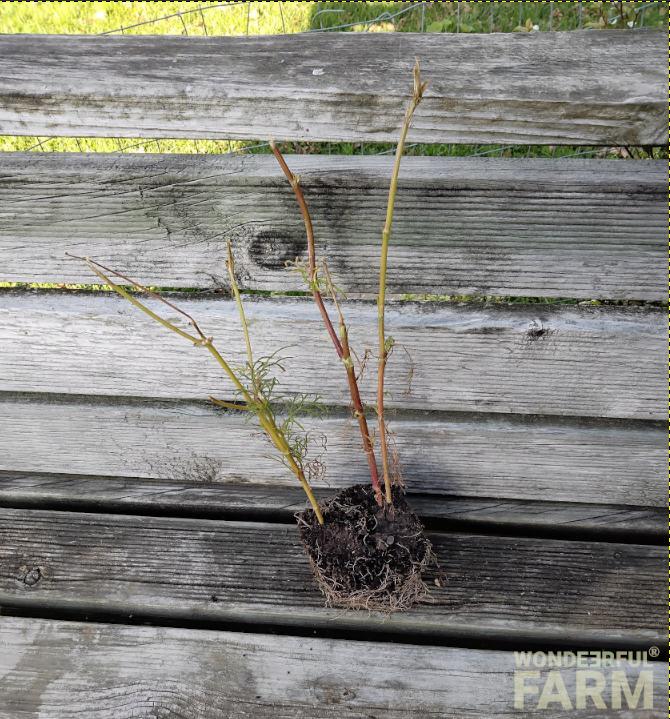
(365, 556)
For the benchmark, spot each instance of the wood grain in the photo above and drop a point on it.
(518, 358)
(472, 226)
(468, 456)
(496, 587)
(520, 88)
(132, 495)
(64, 670)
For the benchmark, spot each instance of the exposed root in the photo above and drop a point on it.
(365, 556)
(397, 593)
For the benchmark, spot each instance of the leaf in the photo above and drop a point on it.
(529, 24)
(436, 26)
(447, 25)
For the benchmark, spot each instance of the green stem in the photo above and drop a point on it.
(417, 95)
(281, 444)
(266, 421)
(243, 320)
(138, 304)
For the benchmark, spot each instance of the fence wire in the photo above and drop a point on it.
(493, 17)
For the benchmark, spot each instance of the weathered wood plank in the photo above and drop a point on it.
(468, 456)
(510, 88)
(511, 588)
(520, 359)
(65, 669)
(131, 495)
(479, 226)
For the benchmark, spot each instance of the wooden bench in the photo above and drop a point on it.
(149, 563)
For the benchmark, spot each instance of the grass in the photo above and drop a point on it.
(262, 18)
(131, 289)
(174, 18)
(484, 17)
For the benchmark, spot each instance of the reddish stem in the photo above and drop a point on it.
(295, 184)
(342, 348)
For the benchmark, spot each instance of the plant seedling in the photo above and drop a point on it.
(371, 548)
(366, 546)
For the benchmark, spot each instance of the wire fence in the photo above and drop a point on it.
(454, 17)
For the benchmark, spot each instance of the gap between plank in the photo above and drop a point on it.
(466, 637)
(433, 524)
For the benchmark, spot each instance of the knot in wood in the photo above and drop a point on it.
(272, 248)
(534, 333)
(32, 576)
